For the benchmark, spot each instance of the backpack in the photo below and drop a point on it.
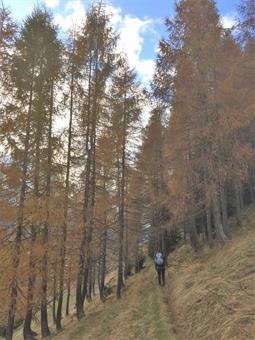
(158, 259)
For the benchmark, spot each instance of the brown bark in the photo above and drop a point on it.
(27, 332)
(45, 237)
(193, 234)
(80, 286)
(238, 203)
(224, 211)
(122, 203)
(68, 291)
(20, 221)
(222, 237)
(54, 294)
(64, 225)
(209, 226)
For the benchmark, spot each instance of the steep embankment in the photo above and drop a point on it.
(213, 293)
(142, 313)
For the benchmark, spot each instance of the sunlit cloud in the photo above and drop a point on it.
(51, 3)
(228, 20)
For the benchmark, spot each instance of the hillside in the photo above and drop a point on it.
(209, 295)
(142, 313)
(214, 292)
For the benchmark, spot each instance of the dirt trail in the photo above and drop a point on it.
(143, 313)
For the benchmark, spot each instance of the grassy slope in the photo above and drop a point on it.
(142, 313)
(214, 292)
(208, 296)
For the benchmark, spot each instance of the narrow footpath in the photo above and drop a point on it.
(143, 313)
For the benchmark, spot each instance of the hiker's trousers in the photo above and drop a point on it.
(161, 275)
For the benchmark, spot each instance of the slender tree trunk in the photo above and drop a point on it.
(185, 232)
(82, 268)
(126, 271)
(103, 264)
(250, 185)
(217, 219)
(241, 193)
(224, 209)
(79, 293)
(93, 138)
(54, 318)
(122, 203)
(238, 204)
(89, 293)
(94, 278)
(193, 234)
(20, 221)
(68, 290)
(85, 283)
(44, 284)
(64, 226)
(209, 226)
(27, 332)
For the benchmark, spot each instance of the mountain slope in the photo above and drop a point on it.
(214, 291)
(208, 296)
(142, 313)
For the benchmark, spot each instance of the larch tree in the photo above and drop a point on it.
(152, 163)
(32, 74)
(71, 72)
(125, 112)
(95, 47)
(190, 51)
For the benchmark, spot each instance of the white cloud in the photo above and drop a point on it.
(51, 3)
(115, 13)
(131, 30)
(131, 42)
(145, 68)
(74, 15)
(228, 20)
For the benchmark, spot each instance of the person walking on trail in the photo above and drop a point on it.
(160, 266)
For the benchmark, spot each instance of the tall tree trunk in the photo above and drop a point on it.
(209, 226)
(224, 209)
(238, 204)
(20, 221)
(54, 318)
(27, 332)
(45, 232)
(89, 292)
(122, 203)
(241, 193)
(103, 264)
(193, 234)
(80, 287)
(68, 290)
(126, 271)
(64, 225)
(222, 237)
(251, 190)
(94, 279)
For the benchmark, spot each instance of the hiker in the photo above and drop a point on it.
(160, 265)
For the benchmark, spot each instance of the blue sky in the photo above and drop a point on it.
(139, 22)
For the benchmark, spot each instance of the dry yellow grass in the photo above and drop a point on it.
(143, 313)
(209, 296)
(214, 291)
